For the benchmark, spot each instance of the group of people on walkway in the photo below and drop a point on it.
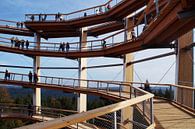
(19, 24)
(100, 10)
(33, 77)
(19, 43)
(64, 46)
(42, 17)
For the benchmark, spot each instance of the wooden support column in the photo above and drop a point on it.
(36, 64)
(127, 113)
(184, 69)
(82, 98)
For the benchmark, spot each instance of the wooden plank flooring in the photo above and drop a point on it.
(167, 116)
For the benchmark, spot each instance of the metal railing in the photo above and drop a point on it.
(105, 88)
(96, 10)
(181, 94)
(24, 111)
(93, 45)
(14, 25)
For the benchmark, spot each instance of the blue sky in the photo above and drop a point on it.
(16, 10)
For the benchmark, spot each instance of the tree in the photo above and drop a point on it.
(5, 96)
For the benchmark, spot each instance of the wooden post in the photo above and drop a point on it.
(82, 98)
(185, 69)
(127, 113)
(36, 64)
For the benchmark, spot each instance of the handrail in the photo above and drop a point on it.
(43, 111)
(70, 120)
(75, 46)
(126, 84)
(92, 9)
(40, 107)
(100, 86)
(8, 21)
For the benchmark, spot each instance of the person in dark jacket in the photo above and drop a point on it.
(27, 44)
(67, 47)
(30, 77)
(35, 78)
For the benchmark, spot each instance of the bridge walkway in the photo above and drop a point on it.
(168, 115)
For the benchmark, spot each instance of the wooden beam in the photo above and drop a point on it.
(185, 69)
(151, 58)
(30, 67)
(102, 66)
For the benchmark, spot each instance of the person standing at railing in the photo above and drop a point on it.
(67, 47)
(35, 78)
(27, 44)
(104, 44)
(85, 14)
(147, 86)
(32, 18)
(61, 17)
(60, 46)
(22, 43)
(12, 41)
(63, 46)
(40, 17)
(44, 17)
(107, 7)
(100, 9)
(133, 35)
(18, 24)
(21, 24)
(6, 74)
(30, 77)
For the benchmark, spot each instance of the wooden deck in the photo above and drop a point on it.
(168, 116)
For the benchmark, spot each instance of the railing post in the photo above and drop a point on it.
(144, 107)
(77, 125)
(135, 93)
(58, 81)
(181, 95)
(170, 93)
(120, 90)
(112, 40)
(74, 84)
(91, 46)
(145, 19)
(193, 99)
(107, 89)
(151, 111)
(176, 93)
(130, 91)
(115, 121)
(22, 78)
(98, 86)
(157, 8)
(87, 83)
(54, 47)
(52, 80)
(46, 80)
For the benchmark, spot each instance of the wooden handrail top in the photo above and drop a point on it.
(8, 21)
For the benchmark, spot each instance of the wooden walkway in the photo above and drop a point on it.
(168, 116)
